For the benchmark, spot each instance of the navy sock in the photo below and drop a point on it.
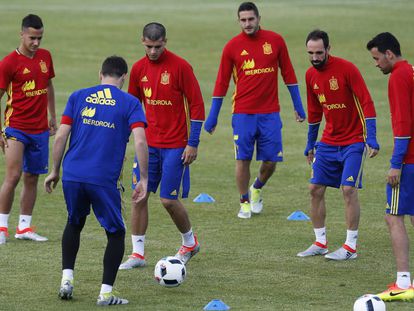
(244, 198)
(258, 184)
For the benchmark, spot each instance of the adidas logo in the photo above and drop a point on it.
(144, 79)
(350, 178)
(244, 52)
(280, 154)
(315, 87)
(173, 192)
(103, 97)
(26, 71)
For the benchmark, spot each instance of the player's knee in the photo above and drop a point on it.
(117, 235)
(12, 179)
(169, 204)
(316, 191)
(349, 191)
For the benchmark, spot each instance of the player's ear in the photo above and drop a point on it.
(100, 75)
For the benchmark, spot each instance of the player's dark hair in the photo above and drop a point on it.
(383, 42)
(317, 34)
(154, 31)
(32, 21)
(114, 66)
(248, 6)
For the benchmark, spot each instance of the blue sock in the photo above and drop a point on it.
(244, 198)
(258, 184)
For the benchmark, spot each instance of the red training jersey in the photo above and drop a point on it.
(338, 92)
(172, 97)
(401, 100)
(26, 82)
(254, 62)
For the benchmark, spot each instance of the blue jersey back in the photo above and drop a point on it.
(102, 117)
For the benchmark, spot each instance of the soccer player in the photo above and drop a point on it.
(337, 91)
(99, 121)
(253, 58)
(174, 107)
(26, 75)
(386, 52)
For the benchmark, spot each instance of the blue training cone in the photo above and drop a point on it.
(204, 198)
(216, 304)
(298, 216)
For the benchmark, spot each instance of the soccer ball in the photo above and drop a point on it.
(369, 303)
(170, 272)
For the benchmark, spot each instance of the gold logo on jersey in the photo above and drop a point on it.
(165, 78)
(315, 87)
(244, 53)
(43, 66)
(26, 71)
(267, 48)
(28, 85)
(248, 64)
(144, 79)
(322, 98)
(333, 84)
(88, 112)
(147, 92)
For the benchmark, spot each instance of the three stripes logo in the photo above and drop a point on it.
(26, 71)
(244, 53)
(103, 97)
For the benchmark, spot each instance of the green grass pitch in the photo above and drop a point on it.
(249, 264)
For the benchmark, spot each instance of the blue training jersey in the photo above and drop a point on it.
(101, 125)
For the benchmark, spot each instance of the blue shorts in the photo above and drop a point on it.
(105, 201)
(400, 200)
(338, 165)
(263, 129)
(36, 150)
(166, 167)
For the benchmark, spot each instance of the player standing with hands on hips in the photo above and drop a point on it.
(253, 58)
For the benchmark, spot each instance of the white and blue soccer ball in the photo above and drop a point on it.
(170, 271)
(369, 302)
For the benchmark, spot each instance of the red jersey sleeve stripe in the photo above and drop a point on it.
(361, 116)
(66, 120)
(137, 124)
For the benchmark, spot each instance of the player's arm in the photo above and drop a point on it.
(3, 139)
(364, 100)
(190, 152)
(402, 124)
(51, 104)
(59, 147)
(315, 113)
(141, 151)
(220, 89)
(289, 77)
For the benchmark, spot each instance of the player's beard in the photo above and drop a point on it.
(319, 64)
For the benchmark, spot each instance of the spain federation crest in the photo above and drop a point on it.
(333, 84)
(43, 66)
(267, 48)
(165, 78)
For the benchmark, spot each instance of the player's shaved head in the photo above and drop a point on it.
(154, 31)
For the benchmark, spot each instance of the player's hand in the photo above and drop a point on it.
(210, 125)
(372, 152)
(140, 191)
(3, 142)
(51, 182)
(299, 118)
(310, 156)
(189, 155)
(393, 177)
(52, 126)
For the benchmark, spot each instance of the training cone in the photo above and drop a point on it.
(298, 216)
(204, 198)
(216, 304)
